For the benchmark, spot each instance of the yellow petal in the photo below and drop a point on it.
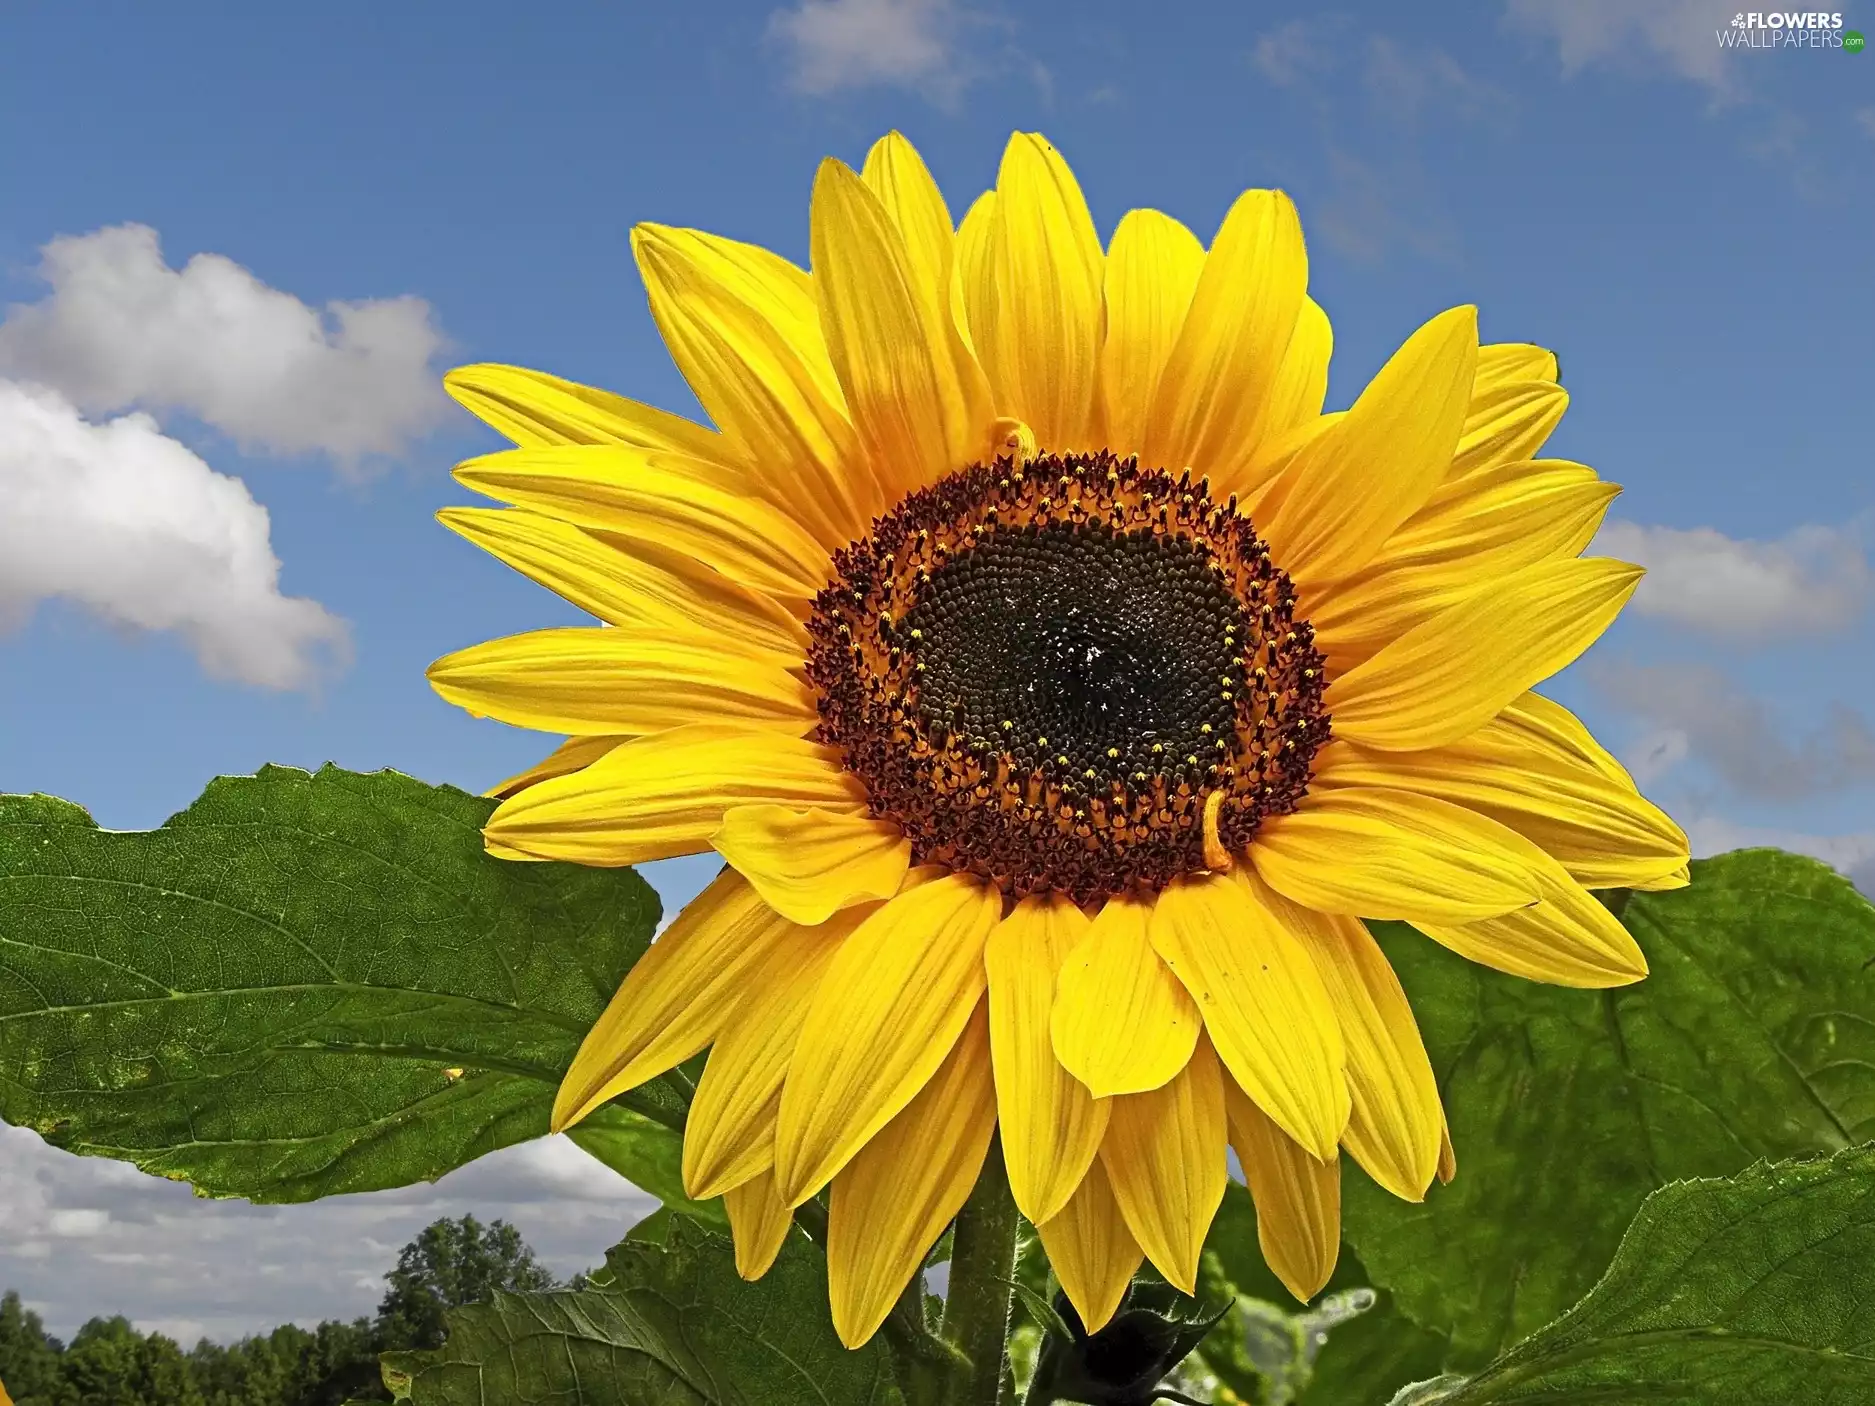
(1512, 361)
(1295, 400)
(1090, 1249)
(1051, 1125)
(1472, 531)
(758, 1222)
(1448, 1159)
(1678, 879)
(893, 358)
(889, 1010)
(809, 864)
(1352, 486)
(608, 681)
(742, 325)
(1264, 1006)
(973, 291)
(1393, 1128)
(1164, 1154)
(893, 1200)
(1569, 938)
(730, 1133)
(1599, 827)
(535, 410)
(1506, 423)
(1122, 1023)
(666, 794)
(1297, 1196)
(1557, 729)
(1041, 344)
(673, 1002)
(571, 755)
(633, 587)
(664, 501)
(1151, 271)
(1374, 853)
(1216, 392)
(897, 175)
(1449, 675)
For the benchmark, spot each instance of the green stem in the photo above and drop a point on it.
(983, 1261)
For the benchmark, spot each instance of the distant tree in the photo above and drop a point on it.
(109, 1363)
(29, 1359)
(449, 1264)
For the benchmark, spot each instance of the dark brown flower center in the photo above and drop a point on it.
(1068, 675)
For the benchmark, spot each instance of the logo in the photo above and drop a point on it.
(1790, 29)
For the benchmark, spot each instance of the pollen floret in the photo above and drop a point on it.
(1043, 672)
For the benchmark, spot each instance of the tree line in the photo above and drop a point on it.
(109, 1363)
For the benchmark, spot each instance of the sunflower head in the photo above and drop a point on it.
(1068, 675)
(1063, 688)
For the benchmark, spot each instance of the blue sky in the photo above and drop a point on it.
(1677, 219)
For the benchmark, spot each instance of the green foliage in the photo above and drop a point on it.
(1757, 1290)
(1753, 1037)
(306, 985)
(301, 985)
(450, 1264)
(30, 1360)
(1274, 1350)
(670, 1324)
(645, 1153)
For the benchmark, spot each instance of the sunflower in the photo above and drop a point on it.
(1062, 688)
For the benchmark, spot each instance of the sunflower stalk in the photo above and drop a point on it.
(978, 1306)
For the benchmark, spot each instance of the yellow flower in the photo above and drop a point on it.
(1063, 688)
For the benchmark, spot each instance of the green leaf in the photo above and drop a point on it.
(1754, 1037)
(1300, 1357)
(647, 1154)
(1758, 1290)
(299, 986)
(672, 1326)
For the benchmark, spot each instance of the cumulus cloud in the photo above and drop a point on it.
(1697, 713)
(1851, 854)
(1678, 33)
(1403, 81)
(1384, 198)
(130, 525)
(120, 329)
(835, 44)
(1811, 580)
(81, 1236)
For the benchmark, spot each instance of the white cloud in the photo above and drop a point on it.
(1402, 81)
(1697, 713)
(69, 1227)
(1297, 51)
(835, 44)
(1372, 190)
(1852, 854)
(1865, 118)
(1811, 580)
(1635, 33)
(129, 524)
(1406, 81)
(120, 329)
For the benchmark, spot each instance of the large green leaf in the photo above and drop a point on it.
(1754, 1037)
(1753, 1291)
(1300, 1359)
(666, 1324)
(647, 1154)
(299, 986)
